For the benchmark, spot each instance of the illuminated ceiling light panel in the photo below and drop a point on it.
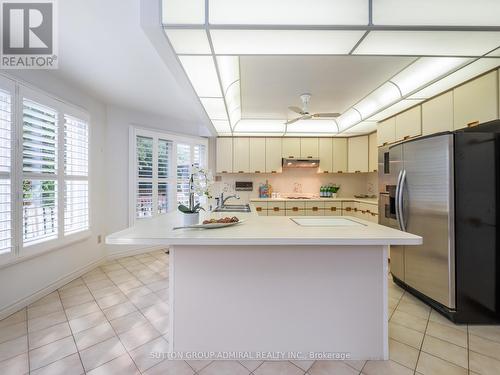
(432, 12)
(348, 118)
(233, 97)
(313, 126)
(284, 42)
(395, 109)
(260, 126)
(494, 53)
(187, 12)
(215, 108)
(429, 43)
(235, 116)
(202, 74)
(289, 12)
(229, 69)
(426, 70)
(189, 41)
(385, 95)
(468, 72)
(222, 126)
(363, 128)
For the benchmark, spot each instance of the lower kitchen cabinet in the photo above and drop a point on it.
(260, 207)
(275, 208)
(333, 209)
(315, 208)
(294, 208)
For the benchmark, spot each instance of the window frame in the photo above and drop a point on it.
(171, 180)
(20, 251)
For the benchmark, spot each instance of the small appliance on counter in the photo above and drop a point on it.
(243, 186)
(265, 190)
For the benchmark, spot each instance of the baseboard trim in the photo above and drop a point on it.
(22, 303)
(139, 251)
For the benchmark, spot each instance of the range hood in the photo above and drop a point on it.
(300, 163)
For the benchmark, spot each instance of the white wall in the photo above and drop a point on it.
(29, 279)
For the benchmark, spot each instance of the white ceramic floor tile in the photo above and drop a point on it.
(74, 300)
(484, 346)
(81, 310)
(42, 310)
(46, 321)
(278, 368)
(51, 352)
(150, 354)
(455, 336)
(94, 335)
(15, 318)
(170, 368)
(405, 335)
(409, 321)
(430, 365)
(122, 365)
(70, 365)
(446, 351)
(385, 368)
(128, 322)
(403, 354)
(13, 331)
(15, 366)
(87, 321)
(483, 365)
(138, 336)
(101, 353)
(225, 368)
(198, 365)
(111, 300)
(488, 332)
(47, 335)
(13, 348)
(251, 365)
(331, 367)
(119, 310)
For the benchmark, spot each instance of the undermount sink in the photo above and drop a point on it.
(233, 208)
(326, 222)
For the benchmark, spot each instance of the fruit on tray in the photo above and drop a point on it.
(224, 220)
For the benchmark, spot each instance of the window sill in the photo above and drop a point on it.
(43, 248)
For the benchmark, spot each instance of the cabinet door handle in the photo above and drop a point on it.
(241, 172)
(258, 209)
(290, 157)
(309, 157)
(348, 208)
(326, 172)
(276, 208)
(273, 172)
(357, 171)
(295, 208)
(355, 210)
(472, 123)
(373, 213)
(223, 172)
(257, 171)
(340, 171)
(333, 208)
(315, 208)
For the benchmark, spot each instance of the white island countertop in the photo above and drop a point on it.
(258, 230)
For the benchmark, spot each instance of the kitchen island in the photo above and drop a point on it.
(296, 286)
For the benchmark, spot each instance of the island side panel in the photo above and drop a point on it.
(279, 299)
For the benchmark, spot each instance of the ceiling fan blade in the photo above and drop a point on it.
(293, 120)
(295, 109)
(326, 115)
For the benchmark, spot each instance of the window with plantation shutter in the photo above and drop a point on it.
(39, 140)
(161, 171)
(5, 172)
(76, 160)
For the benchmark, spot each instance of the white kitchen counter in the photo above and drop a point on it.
(317, 199)
(258, 230)
(268, 285)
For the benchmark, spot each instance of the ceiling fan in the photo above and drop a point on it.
(304, 113)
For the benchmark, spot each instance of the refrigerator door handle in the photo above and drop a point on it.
(402, 223)
(396, 198)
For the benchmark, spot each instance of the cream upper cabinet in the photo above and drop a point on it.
(372, 153)
(409, 123)
(291, 148)
(309, 148)
(241, 155)
(273, 155)
(476, 101)
(326, 155)
(357, 160)
(224, 159)
(386, 131)
(437, 114)
(257, 163)
(339, 155)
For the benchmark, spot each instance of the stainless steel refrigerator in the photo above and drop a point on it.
(432, 186)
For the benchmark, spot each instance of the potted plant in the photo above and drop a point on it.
(200, 182)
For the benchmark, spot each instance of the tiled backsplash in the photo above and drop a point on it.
(301, 181)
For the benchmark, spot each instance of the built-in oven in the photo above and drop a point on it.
(387, 189)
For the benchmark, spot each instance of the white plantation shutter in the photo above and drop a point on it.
(144, 187)
(40, 128)
(5, 172)
(183, 172)
(163, 185)
(76, 161)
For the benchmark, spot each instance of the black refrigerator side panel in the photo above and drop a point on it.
(476, 208)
